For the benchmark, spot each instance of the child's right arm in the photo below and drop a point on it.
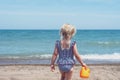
(54, 56)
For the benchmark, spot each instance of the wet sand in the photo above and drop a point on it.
(42, 72)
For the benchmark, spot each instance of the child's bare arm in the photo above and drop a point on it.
(54, 56)
(77, 55)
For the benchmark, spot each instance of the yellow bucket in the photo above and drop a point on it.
(84, 73)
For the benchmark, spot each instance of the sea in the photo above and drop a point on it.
(37, 46)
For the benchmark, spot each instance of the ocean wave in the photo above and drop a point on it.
(107, 42)
(103, 42)
(114, 56)
(36, 56)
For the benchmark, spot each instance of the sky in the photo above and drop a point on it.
(52, 14)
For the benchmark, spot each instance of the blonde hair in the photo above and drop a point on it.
(67, 30)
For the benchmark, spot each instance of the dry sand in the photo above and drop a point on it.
(42, 72)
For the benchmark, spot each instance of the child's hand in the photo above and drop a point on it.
(84, 65)
(52, 68)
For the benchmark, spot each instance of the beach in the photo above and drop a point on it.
(42, 72)
(26, 54)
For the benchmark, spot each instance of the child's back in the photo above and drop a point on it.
(66, 56)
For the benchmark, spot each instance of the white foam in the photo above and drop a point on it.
(107, 43)
(103, 42)
(46, 56)
(114, 56)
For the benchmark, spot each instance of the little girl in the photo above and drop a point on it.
(66, 51)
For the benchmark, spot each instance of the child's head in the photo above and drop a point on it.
(67, 31)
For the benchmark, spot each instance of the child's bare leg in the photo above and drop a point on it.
(69, 74)
(62, 75)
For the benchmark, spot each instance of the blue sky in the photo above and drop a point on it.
(51, 14)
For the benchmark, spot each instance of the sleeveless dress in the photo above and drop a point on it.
(66, 57)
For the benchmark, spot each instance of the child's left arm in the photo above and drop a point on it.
(76, 53)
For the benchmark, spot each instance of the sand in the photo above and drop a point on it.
(42, 72)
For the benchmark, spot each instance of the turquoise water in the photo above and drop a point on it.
(39, 44)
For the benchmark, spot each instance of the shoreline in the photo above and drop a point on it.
(47, 62)
(111, 64)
